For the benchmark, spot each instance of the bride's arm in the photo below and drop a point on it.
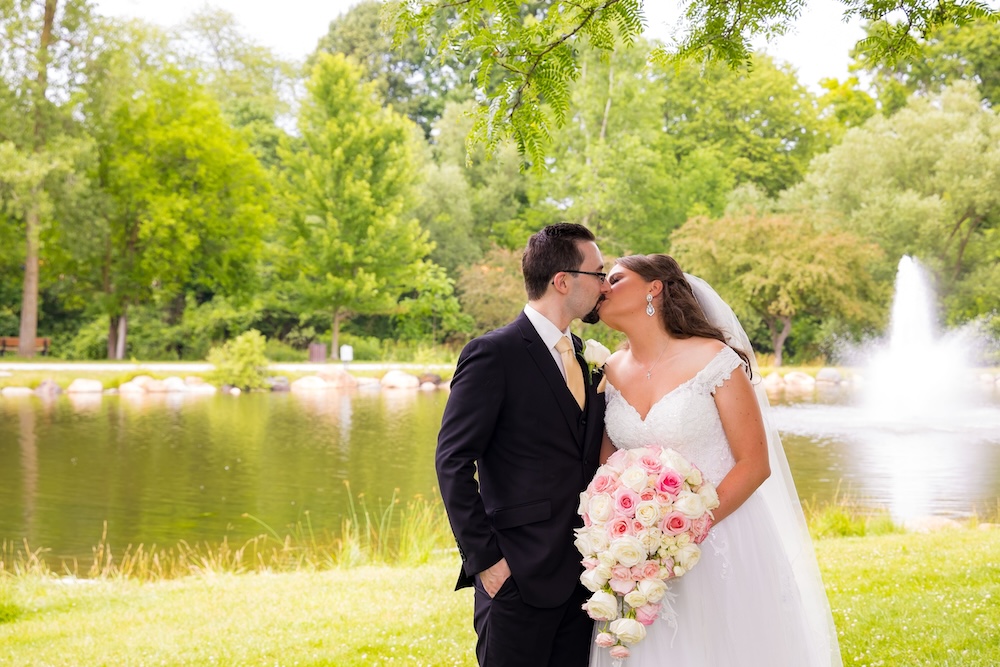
(607, 449)
(744, 427)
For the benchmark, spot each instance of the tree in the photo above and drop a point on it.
(922, 182)
(493, 289)
(185, 201)
(774, 269)
(414, 80)
(529, 53)
(348, 183)
(949, 54)
(43, 48)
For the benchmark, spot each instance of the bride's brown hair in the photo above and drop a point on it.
(679, 310)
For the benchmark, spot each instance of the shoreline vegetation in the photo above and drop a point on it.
(381, 593)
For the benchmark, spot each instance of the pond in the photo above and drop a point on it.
(164, 468)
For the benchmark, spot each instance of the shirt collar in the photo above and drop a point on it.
(548, 331)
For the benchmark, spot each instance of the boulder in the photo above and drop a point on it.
(433, 378)
(799, 381)
(142, 380)
(85, 386)
(338, 378)
(309, 383)
(131, 387)
(203, 389)
(279, 383)
(774, 382)
(174, 383)
(396, 379)
(48, 389)
(155, 386)
(10, 392)
(428, 386)
(829, 376)
(930, 524)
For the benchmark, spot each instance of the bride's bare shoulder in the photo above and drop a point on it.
(612, 364)
(699, 351)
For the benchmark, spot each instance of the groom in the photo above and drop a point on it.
(530, 423)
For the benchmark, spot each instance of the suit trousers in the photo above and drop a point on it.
(514, 634)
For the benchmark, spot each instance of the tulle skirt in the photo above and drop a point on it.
(738, 607)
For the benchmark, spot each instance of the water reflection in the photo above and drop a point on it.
(161, 468)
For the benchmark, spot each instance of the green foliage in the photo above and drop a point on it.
(921, 182)
(350, 247)
(774, 269)
(241, 361)
(493, 291)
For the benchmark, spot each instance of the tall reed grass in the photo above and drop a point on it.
(392, 533)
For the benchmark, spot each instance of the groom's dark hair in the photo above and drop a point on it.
(550, 251)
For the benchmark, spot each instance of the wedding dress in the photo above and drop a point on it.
(741, 605)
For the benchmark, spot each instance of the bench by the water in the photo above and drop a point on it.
(9, 345)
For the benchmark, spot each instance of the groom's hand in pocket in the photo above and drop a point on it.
(493, 577)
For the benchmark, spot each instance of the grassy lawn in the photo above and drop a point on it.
(898, 599)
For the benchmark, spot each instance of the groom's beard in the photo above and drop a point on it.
(592, 317)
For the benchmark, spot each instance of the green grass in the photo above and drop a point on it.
(900, 599)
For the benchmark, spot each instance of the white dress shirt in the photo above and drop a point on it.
(549, 334)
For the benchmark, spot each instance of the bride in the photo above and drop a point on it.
(684, 381)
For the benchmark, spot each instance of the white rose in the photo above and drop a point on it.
(602, 606)
(628, 630)
(688, 556)
(682, 539)
(676, 461)
(653, 589)
(584, 503)
(605, 557)
(647, 513)
(603, 571)
(601, 508)
(583, 543)
(592, 580)
(709, 495)
(694, 477)
(628, 550)
(634, 478)
(595, 353)
(635, 599)
(599, 538)
(690, 505)
(650, 539)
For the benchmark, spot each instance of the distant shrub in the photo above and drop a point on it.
(241, 362)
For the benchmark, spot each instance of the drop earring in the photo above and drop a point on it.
(649, 305)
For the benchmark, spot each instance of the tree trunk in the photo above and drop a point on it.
(779, 338)
(28, 329)
(112, 336)
(122, 336)
(337, 315)
(29, 295)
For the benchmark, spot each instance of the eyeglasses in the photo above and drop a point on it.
(600, 276)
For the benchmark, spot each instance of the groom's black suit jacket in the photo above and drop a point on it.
(511, 416)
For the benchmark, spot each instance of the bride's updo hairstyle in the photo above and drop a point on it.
(679, 310)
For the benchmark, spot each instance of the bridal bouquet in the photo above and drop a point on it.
(644, 514)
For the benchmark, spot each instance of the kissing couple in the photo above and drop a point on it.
(528, 422)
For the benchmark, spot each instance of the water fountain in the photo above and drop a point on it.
(921, 422)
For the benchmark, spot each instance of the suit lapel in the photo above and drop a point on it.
(547, 367)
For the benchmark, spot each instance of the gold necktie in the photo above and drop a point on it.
(574, 375)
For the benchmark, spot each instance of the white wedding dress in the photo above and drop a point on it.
(740, 606)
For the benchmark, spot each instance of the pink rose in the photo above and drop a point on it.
(619, 527)
(670, 482)
(700, 528)
(600, 484)
(621, 572)
(625, 501)
(675, 523)
(637, 527)
(621, 586)
(647, 613)
(589, 563)
(605, 640)
(647, 494)
(619, 652)
(618, 460)
(650, 570)
(651, 463)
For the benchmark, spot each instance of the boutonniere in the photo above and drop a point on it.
(595, 355)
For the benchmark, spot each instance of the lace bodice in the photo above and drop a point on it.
(684, 419)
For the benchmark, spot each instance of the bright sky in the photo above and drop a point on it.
(817, 46)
